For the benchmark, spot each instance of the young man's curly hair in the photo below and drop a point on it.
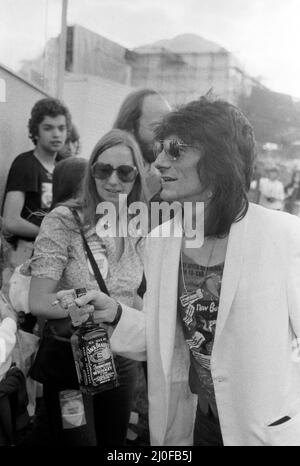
(47, 107)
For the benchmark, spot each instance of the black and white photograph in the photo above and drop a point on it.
(149, 225)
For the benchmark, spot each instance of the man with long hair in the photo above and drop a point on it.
(220, 325)
(139, 114)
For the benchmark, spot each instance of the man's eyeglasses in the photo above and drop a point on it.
(102, 171)
(172, 148)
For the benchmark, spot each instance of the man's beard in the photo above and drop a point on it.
(146, 149)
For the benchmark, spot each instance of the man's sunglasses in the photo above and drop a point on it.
(171, 147)
(102, 171)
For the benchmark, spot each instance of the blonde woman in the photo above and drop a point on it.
(115, 168)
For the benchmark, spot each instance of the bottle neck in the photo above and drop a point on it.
(90, 325)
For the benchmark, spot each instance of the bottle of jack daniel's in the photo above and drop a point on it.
(92, 354)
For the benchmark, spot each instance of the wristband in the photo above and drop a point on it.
(118, 315)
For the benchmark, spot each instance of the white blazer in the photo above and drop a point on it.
(255, 377)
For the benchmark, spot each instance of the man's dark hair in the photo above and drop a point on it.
(226, 141)
(131, 110)
(74, 134)
(47, 107)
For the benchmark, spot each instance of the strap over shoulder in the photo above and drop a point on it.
(97, 273)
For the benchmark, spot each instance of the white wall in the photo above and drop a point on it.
(94, 103)
(19, 99)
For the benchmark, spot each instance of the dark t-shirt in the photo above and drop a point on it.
(198, 306)
(28, 175)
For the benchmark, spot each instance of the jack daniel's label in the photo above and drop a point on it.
(93, 357)
(97, 362)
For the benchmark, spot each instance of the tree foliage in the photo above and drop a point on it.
(275, 117)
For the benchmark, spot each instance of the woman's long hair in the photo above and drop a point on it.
(89, 195)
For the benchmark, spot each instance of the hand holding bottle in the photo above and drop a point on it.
(103, 307)
(92, 354)
(66, 299)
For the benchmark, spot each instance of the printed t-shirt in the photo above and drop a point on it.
(198, 306)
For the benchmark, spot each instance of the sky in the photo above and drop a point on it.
(263, 34)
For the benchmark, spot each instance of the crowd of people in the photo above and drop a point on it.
(214, 324)
(269, 191)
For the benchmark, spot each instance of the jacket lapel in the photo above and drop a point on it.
(232, 270)
(168, 301)
(168, 294)
(168, 291)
